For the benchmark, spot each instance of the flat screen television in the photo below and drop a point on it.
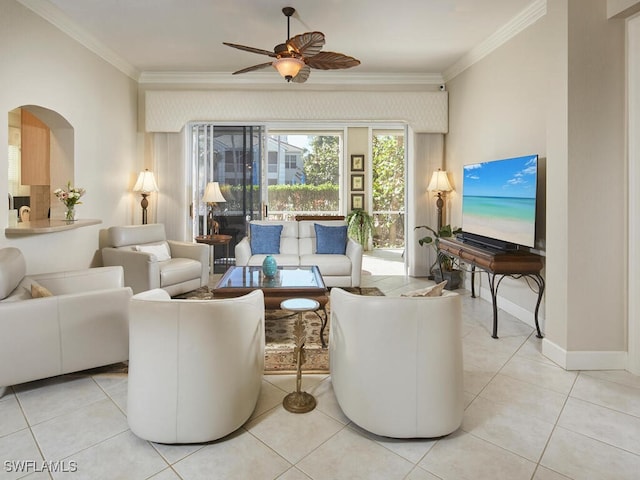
(499, 202)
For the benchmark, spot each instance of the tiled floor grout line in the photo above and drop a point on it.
(29, 426)
(569, 396)
(555, 426)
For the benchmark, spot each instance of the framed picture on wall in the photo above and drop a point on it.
(357, 201)
(357, 163)
(357, 182)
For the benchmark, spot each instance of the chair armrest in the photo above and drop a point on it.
(243, 252)
(354, 252)
(195, 251)
(141, 270)
(94, 328)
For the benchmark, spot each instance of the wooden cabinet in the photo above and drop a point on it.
(35, 153)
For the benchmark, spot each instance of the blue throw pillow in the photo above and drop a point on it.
(331, 239)
(265, 238)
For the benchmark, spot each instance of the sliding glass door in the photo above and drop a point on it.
(230, 156)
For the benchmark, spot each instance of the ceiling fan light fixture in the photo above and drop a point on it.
(288, 67)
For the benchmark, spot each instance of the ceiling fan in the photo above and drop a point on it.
(295, 58)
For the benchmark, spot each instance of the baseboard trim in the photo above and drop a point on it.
(584, 360)
(511, 308)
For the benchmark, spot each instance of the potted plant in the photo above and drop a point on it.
(360, 226)
(443, 261)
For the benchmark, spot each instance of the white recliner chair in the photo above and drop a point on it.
(151, 261)
(80, 322)
(195, 366)
(396, 363)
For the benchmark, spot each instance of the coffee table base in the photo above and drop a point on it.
(299, 402)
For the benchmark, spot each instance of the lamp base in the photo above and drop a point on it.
(439, 205)
(144, 204)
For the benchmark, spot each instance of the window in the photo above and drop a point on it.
(309, 181)
(291, 161)
(388, 162)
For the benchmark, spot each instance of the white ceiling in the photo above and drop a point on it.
(424, 38)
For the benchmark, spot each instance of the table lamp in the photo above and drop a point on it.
(212, 196)
(440, 184)
(145, 185)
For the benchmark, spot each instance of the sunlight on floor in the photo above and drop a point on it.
(387, 261)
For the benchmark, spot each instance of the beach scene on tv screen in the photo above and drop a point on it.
(499, 199)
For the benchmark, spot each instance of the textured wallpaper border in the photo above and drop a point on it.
(171, 110)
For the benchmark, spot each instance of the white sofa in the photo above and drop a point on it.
(396, 363)
(139, 249)
(83, 324)
(195, 367)
(298, 246)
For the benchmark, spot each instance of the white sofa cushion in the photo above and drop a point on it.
(160, 250)
(283, 260)
(329, 264)
(178, 270)
(288, 235)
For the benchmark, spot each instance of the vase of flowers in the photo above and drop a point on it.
(70, 197)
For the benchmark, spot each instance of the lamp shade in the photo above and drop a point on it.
(288, 67)
(146, 182)
(212, 193)
(439, 182)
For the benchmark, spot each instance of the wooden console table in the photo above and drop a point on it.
(515, 264)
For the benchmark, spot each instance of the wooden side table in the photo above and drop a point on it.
(214, 240)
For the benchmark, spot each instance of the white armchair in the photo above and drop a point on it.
(396, 362)
(80, 323)
(195, 366)
(151, 261)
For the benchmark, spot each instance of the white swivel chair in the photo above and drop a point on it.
(151, 261)
(195, 366)
(396, 363)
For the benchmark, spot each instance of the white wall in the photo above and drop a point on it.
(42, 66)
(497, 109)
(557, 89)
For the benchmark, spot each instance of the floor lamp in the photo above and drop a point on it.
(440, 184)
(212, 196)
(146, 184)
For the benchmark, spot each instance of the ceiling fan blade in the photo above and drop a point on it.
(302, 75)
(250, 49)
(306, 44)
(331, 61)
(254, 67)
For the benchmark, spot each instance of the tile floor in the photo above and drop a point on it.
(525, 418)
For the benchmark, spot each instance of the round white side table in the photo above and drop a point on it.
(299, 401)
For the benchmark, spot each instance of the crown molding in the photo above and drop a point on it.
(56, 17)
(517, 24)
(272, 78)
(48, 11)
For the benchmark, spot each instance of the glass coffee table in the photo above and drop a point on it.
(289, 282)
